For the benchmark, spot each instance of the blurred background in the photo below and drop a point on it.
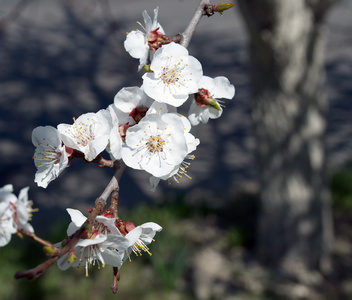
(60, 59)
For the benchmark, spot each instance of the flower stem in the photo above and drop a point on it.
(116, 278)
(35, 237)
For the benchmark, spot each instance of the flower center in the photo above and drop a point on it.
(155, 144)
(49, 154)
(82, 133)
(170, 76)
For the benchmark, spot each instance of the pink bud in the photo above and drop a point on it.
(138, 113)
(130, 226)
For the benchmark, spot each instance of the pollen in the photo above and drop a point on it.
(170, 75)
(82, 132)
(155, 144)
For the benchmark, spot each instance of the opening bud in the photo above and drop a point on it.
(49, 250)
(204, 98)
(72, 256)
(221, 7)
(147, 68)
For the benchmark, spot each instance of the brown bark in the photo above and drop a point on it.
(289, 106)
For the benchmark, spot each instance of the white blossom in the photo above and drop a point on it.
(180, 169)
(24, 210)
(205, 104)
(174, 76)
(138, 44)
(88, 134)
(104, 244)
(7, 221)
(156, 144)
(139, 237)
(50, 156)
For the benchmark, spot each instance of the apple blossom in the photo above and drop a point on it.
(50, 157)
(88, 134)
(7, 221)
(206, 105)
(104, 244)
(174, 76)
(138, 44)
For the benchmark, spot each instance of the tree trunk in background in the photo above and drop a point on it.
(289, 106)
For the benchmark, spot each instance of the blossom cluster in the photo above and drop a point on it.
(142, 126)
(107, 241)
(15, 213)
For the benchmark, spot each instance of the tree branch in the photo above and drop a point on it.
(120, 167)
(73, 240)
(188, 33)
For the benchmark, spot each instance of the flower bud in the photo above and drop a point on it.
(204, 98)
(121, 227)
(221, 7)
(213, 103)
(138, 113)
(20, 235)
(130, 226)
(49, 250)
(72, 256)
(147, 68)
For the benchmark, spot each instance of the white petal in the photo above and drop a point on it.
(22, 207)
(157, 108)
(192, 142)
(5, 238)
(204, 116)
(63, 263)
(154, 181)
(77, 220)
(115, 144)
(151, 225)
(89, 242)
(223, 88)
(135, 44)
(117, 242)
(214, 113)
(133, 236)
(46, 135)
(130, 158)
(193, 113)
(112, 258)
